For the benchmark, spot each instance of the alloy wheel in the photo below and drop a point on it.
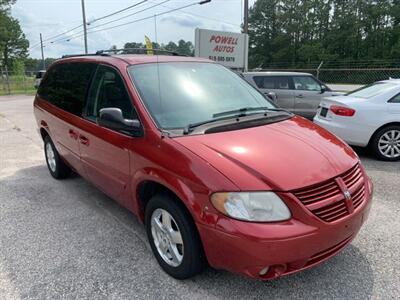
(51, 160)
(167, 237)
(389, 144)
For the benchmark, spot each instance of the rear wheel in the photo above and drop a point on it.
(386, 143)
(58, 169)
(173, 237)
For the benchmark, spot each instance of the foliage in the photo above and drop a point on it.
(183, 47)
(13, 44)
(295, 32)
(18, 68)
(34, 64)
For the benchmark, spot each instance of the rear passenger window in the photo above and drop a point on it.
(395, 99)
(66, 85)
(108, 90)
(272, 82)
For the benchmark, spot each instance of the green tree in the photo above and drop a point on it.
(171, 46)
(5, 4)
(185, 48)
(13, 44)
(18, 67)
(298, 32)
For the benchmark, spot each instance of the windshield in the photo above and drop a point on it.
(181, 93)
(372, 90)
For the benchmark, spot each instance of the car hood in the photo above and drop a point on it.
(281, 156)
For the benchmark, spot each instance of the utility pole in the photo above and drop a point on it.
(84, 26)
(41, 47)
(246, 17)
(246, 32)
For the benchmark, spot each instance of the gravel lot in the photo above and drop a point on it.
(65, 239)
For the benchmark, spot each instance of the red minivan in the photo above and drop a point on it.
(217, 173)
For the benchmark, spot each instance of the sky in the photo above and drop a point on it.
(54, 17)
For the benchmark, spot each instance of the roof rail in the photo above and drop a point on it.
(125, 51)
(89, 54)
(137, 51)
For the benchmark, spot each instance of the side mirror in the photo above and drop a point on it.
(323, 89)
(272, 96)
(112, 118)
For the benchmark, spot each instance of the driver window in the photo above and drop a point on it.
(306, 83)
(108, 90)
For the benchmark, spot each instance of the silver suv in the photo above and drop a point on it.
(299, 93)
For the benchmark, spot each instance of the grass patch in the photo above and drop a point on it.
(17, 85)
(19, 92)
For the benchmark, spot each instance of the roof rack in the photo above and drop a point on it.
(125, 51)
(77, 55)
(137, 51)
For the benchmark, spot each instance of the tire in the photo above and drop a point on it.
(389, 136)
(192, 259)
(57, 168)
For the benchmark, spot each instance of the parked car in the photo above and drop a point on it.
(38, 78)
(367, 117)
(299, 93)
(215, 171)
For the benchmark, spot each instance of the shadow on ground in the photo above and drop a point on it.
(67, 239)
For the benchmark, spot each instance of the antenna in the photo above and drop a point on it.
(155, 29)
(158, 65)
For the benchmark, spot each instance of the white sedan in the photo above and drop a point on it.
(367, 117)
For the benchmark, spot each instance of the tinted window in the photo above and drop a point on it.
(306, 83)
(395, 99)
(66, 84)
(372, 89)
(272, 82)
(108, 90)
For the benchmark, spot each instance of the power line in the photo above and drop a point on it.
(112, 21)
(135, 13)
(81, 25)
(135, 21)
(197, 15)
(156, 15)
(63, 33)
(117, 12)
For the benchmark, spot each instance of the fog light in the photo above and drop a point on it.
(264, 271)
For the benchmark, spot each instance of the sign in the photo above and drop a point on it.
(227, 48)
(149, 45)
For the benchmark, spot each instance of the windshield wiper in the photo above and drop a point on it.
(189, 127)
(237, 113)
(242, 112)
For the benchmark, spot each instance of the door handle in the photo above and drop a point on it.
(300, 96)
(84, 140)
(73, 134)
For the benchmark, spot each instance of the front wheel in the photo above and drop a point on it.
(173, 237)
(386, 143)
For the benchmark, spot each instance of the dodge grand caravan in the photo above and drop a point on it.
(217, 173)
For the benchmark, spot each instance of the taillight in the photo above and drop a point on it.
(342, 111)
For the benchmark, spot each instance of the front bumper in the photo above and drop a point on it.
(284, 247)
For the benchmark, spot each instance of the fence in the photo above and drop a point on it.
(345, 72)
(11, 83)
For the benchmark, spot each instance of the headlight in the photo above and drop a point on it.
(252, 206)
